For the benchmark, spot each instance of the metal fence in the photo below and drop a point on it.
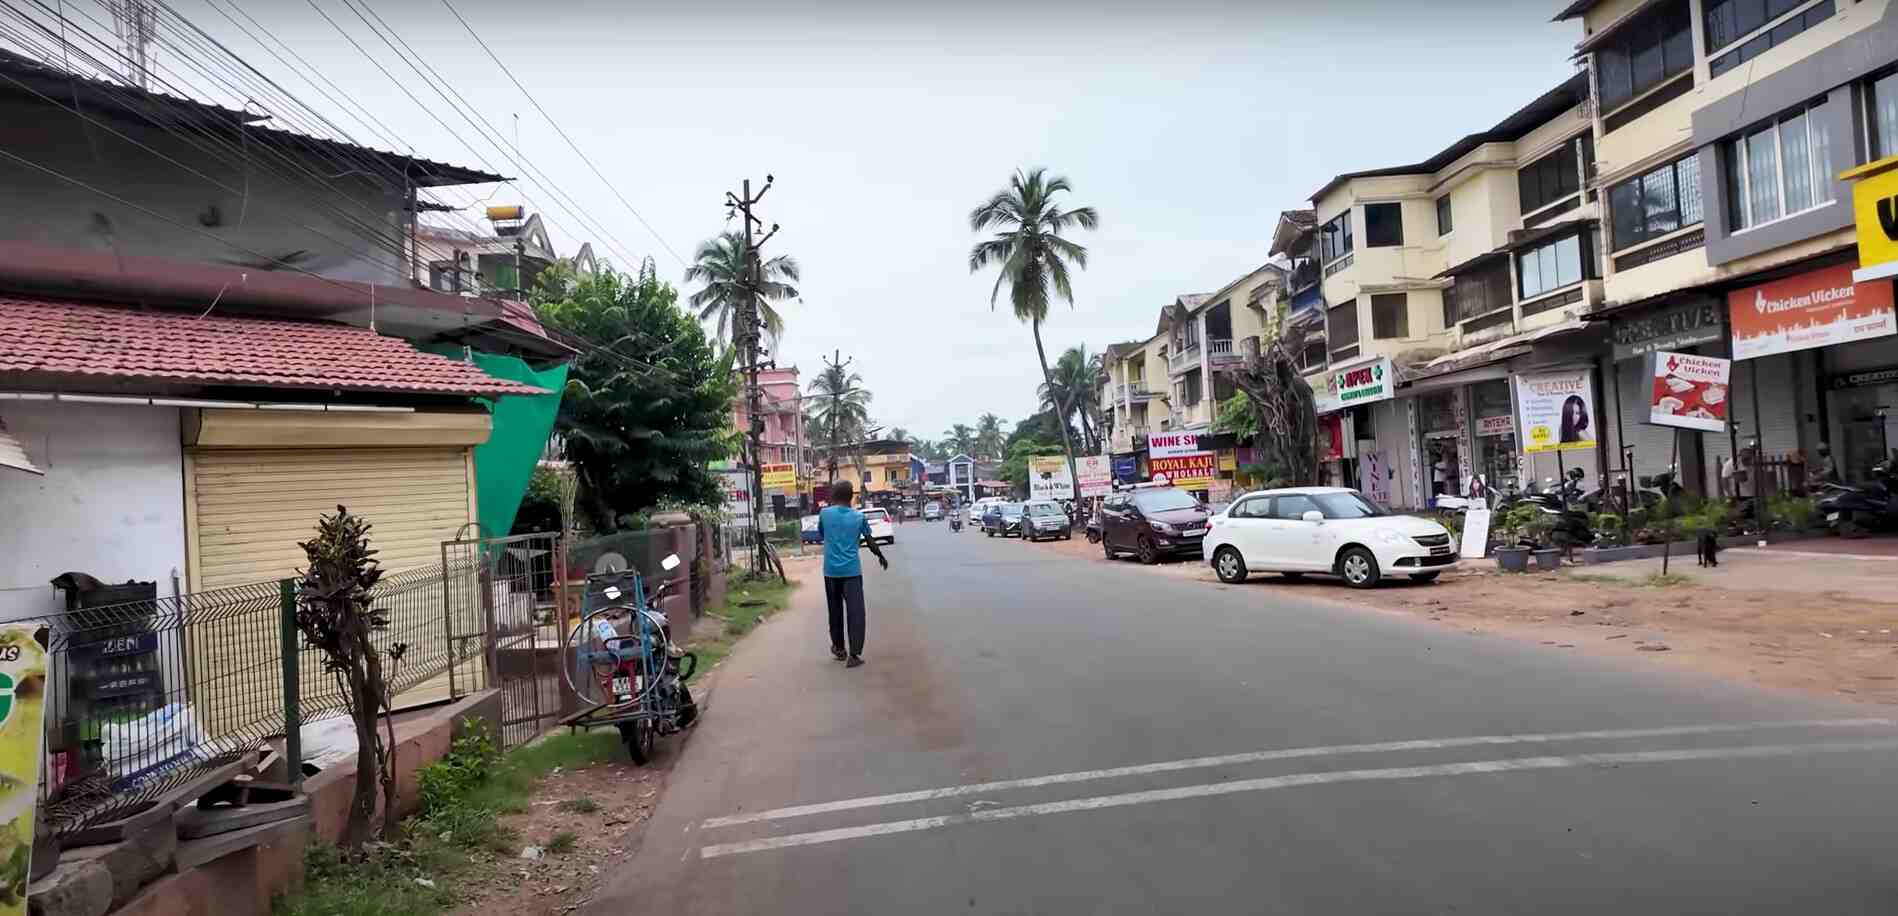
(506, 606)
(145, 697)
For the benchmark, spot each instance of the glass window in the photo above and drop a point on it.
(1779, 169)
(1294, 506)
(1568, 261)
(1342, 324)
(1882, 120)
(1383, 225)
(1443, 215)
(1390, 315)
(1334, 240)
(1660, 201)
(1728, 20)
(1347, 505)
(1646, 52)
(1161, 499)
(1550, 266)
(1549, 179)
(1797, 156)
(1256, 507)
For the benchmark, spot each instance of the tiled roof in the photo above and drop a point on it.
(48, 336)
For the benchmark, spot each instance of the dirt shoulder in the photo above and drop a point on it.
(1820, 625)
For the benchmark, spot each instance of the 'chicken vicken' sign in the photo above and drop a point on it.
(1818, 308)
(1689, 392)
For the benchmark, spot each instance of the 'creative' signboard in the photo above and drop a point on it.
(1558, 411)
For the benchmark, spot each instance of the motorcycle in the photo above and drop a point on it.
(1569, 523)
(955, 522)
(639, 674)
(1852, 510)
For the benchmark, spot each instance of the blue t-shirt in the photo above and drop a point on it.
(843, 529)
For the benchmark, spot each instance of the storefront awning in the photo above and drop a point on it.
(1462, 366)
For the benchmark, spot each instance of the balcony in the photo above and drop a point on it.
(1186, 358)
(1135, 392)
(1223, 354)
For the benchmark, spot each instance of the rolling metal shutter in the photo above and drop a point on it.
(251, 507)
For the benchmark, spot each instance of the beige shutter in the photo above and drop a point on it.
(251, 507)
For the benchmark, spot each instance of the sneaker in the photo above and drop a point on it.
(837, 653)
(856, 661)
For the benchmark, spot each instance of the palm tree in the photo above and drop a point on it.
(1071, 391)
(961, 440)
(840, 412)
(988, 436)
(720, 265)
(1032, 255)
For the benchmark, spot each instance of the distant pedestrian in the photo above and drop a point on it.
(843, 529)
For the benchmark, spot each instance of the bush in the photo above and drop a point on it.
(467, 765)
(1798, 511)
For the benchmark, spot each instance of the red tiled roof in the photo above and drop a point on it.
(71, 338)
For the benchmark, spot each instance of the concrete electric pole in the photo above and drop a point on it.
(749, 338)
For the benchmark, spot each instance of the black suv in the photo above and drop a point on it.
(1153, 522)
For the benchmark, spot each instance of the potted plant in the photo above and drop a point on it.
(1537, 530)
(1512, 554)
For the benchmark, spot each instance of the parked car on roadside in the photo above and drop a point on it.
(932, 512)
(1045, 519)
(881, 528)
(1152, 522)
(1328, 531)
(1002, 519)
(981, 507)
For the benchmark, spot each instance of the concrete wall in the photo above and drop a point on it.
(111, 503)
(302, 214)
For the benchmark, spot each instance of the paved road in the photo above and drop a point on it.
(1032, 734)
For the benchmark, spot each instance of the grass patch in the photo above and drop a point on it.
(747, 603)
(579, 806)
(459, 830)
(563, 842)
(1596, 579)
(1666, 580)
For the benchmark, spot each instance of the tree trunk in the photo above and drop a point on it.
(1067, 441)
(385, 752)
(362, 801)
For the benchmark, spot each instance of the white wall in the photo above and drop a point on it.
(111, 503)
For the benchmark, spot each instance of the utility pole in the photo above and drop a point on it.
(749, 330)
(836, 364)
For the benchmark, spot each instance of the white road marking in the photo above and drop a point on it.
(1170, 766)
(1095, 803)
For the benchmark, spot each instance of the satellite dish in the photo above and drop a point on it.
(609, 562)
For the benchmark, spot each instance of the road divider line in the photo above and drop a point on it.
(1506, 765)
(1294, 753)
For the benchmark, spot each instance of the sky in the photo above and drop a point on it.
(1189, 125)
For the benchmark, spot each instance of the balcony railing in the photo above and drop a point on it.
(1135, 392)
(1186, 358)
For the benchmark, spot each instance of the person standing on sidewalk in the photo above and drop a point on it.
(843, 528)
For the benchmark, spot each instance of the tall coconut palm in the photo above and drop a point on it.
(720, 265)
(1032, 256)
(1071, 389)
(961, 440)
(839, 415)
(989, 436)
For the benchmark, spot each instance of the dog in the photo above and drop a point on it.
(1709, 549)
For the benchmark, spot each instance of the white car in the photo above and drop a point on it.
(881, 528)
(1326, 530)
(932, 512)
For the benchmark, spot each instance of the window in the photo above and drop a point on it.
(1728, 20)
(1341, 325)
(1346, 505)
(1256, 507)
(1477, 293)
(506, 276)
(1644, 53)
(1549, 179)
(1191, 389)
(1443, 215)
(1779, 169)
(1383, 225)
(1334, 239)
(1312, 356)
(1390, 315)
(1163, 499)
(1651, 205)
(1293, 507)
(1550, 266)
(1881, 121)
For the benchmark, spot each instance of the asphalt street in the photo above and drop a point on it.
(1038, 733)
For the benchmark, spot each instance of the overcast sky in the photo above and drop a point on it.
(1188, 124)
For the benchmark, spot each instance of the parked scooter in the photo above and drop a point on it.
(1853, 510)
(955, 520)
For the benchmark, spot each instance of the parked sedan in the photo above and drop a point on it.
(1152, 522)
(1003, 519)
(1046, 519)
(881, 528)
(1325, 530)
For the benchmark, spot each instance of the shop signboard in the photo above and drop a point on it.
(1048, 478)
(1127, 468)
(1875, 208)
(1697, 321)
(1365, 384)
(1818, 308)
(1558, 410)
(1097, 474)
(1495, 426)
(779, 477)
(1195, 471)
(1868, 378)
(1689, 392)
(22, 736)
(1174, 444)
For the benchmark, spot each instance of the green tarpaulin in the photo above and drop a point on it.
(504, 464)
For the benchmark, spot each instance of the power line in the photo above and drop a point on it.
(563, 135)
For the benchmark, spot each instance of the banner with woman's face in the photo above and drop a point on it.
(1557, 411)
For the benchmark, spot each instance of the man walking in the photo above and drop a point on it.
(842, 529)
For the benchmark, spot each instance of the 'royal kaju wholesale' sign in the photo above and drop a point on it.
(1187, 472)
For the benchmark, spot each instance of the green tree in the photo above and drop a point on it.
(988, 436)
(960, 439)
(1236, 416)
(649, 399)
(1032, 256)
(839, 415)
(1014, 468)
(720, 265)
(1071, 391)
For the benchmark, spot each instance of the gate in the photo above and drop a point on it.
(505, 610)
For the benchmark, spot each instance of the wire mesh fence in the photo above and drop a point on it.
(516, 619)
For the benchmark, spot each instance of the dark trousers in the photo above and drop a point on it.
(843, 592)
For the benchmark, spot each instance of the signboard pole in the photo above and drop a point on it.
(1667, 537)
